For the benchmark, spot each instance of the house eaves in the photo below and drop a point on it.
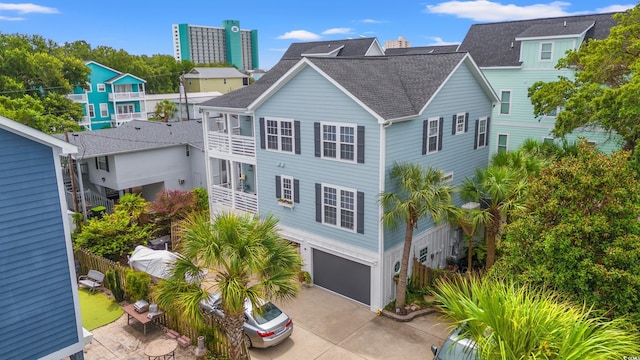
(37, 136)
(122, 76)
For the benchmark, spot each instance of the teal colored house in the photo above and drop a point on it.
(312, 142)
(514, 55)
(110, 98)
(40, 308)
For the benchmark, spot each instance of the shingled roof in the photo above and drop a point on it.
(434, 49)
(495, 44)
(136, 135)
(241, 98)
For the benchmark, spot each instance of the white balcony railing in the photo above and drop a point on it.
(126, 96)
(234, 199)
(236, 144)
(119, 119)
(81, 98)
(85, 122)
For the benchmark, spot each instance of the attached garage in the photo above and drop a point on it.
(342, 276)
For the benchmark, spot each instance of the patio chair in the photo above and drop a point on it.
(93, 280)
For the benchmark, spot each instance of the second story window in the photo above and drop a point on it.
(546, 51)
(279, 134)
(102, 163)
(460, 125)
(104, 110)
(338, 141)
(92, 111)
(505, 102)
(102, 88)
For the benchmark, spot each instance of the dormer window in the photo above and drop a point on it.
(546, 51)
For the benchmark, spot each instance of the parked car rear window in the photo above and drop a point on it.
(266, 312)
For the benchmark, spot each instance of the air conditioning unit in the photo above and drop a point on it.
(181, 181)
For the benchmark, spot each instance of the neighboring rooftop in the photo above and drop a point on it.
(434, 49)
(495, 44)
(136, 135)
(214, 73)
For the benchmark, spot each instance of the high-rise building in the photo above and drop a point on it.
(395, 44)
(208, 44)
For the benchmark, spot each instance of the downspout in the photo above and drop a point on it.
(381, 188)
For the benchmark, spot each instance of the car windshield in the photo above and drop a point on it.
(265, 313)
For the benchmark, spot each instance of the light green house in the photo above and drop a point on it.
(514, 55)
(223, 80)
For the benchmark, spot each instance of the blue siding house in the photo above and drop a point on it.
(41, 314)
(313, 140)
(110, 98)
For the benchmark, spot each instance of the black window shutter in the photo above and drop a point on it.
(296, 191)
(454, 124)
(278, 187)
(486, 137)
(360, 144)
(316, 138)
(296, 129)
(466, 122)
(262, 137)
(475, 139)
(440, 126)
(318, 202)
(106, 158)
(97, 166)
(360, 219)
(425, 134)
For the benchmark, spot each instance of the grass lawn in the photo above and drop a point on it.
(97, 309)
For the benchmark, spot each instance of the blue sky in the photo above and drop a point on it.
(143, 27)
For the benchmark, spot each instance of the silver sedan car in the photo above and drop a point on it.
(263, 327)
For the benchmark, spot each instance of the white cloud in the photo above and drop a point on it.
(614, 8)
(334, 31)
(372, 21)
(484, 10)
(299, 35)
(438, 41)
(26, 8)
(5, 18)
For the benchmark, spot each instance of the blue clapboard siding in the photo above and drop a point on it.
(310, 98)
(38, 315)
(461, 94)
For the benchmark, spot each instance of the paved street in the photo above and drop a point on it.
(327, 327)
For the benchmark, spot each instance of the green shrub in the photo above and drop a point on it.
(114, 284)
(137, 285)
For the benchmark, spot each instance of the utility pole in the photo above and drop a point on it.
(183, 89)
(72, 175)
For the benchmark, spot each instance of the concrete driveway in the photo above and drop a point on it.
(328, 326)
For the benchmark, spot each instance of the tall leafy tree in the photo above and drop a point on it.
(513, 322)
(420, 193)
(580, 232)
(247, 258)
(604, 91)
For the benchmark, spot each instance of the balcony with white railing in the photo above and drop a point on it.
(232, 144)
(80, 98)
(127, 96)
(119, 119)
(85, 122)
(223, 195)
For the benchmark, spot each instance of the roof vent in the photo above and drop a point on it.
(137, 128)
(565, 24)
(168, 124)
(512, 44)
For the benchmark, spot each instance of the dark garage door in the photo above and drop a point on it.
(343, 276)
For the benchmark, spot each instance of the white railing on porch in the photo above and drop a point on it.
(126, 96)
(234, 199)
(238, 145)
(119, 119)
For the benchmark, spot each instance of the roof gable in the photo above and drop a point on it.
(36, 135)
(495, 44)
(92, 64)
(125, 78)
(556, 30)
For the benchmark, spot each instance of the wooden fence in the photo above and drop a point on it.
(423, 276)
(215, 337)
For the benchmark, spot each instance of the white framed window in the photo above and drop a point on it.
(422, 255)
(101, 88)
(279, 133)
(286, 190)
(546, 51)
(460, 123)
(503, 142)
(104, 110)
(339, 207)
(505, 102)
(482, 132)
(432, 135)
(92, 111)
(102, 163)
(339, 141)
(548, 140)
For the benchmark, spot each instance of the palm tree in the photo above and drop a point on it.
(248, 260)
(165, 109)
(507, 322)
(500, 190)
(420, 192)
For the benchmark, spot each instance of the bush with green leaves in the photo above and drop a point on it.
(512, 322)
(114, 284)
(137, 285)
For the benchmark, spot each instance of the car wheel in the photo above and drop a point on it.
(247, 341)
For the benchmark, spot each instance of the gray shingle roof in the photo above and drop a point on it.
(491, 44)
(434, 49)
(241, 98)
(214, 73)
(557, 29)
(136, 135)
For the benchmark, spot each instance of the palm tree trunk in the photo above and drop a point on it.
(401, 290)
(492, 232)
(235, 335)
